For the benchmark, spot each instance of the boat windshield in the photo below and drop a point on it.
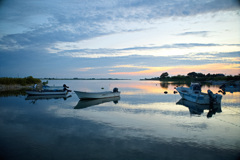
(195, 87)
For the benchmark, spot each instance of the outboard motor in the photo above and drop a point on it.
(65, 88)
(211, 96)
(115, 89)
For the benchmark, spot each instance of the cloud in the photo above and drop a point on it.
(84, 69)
(229, 54)
(50, 21)
(183, 69)
(177, 45)
(222, 57)
(76, 49)
(197, 33)
(157, 9)
(41, 36)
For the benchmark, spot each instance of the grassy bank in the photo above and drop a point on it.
(19, 81)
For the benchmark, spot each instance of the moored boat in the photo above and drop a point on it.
(97, 95)
(194, 94)
(231, 87)
(50, 91)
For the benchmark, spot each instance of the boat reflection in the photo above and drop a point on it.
(87, 103)
(231, 89)
(47, 97)
(198, 109)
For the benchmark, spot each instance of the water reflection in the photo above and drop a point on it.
(198, 109)
(16, 93)
(146, 87)
(145, 124)
(87, 103)
(156, 87)
(231, 89)
(47, 97)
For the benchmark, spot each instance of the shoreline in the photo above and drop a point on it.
(82, 79)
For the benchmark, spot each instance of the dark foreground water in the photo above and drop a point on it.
(143, 124)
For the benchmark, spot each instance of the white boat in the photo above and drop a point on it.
(97, 95)
(194, 94)
(47, 92)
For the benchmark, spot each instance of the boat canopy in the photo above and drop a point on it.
(195, 87)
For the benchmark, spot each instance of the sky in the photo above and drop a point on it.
(118, 38)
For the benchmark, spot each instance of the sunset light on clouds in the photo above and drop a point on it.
(119, 39)
(209, 68)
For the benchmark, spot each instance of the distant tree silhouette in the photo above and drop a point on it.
(192, 74)
(164, 75)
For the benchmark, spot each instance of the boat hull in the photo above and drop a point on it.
(96, 95)
(49, 92)
(202, 98)
(52, 88)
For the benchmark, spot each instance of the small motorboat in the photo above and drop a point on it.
(45, 92)
(194, 94)
(97, 95)
(230, 87)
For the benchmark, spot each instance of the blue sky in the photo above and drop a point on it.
(118, 38)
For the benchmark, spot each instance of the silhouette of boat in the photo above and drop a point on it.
(230, 87)
(194, 94)
(97, 95)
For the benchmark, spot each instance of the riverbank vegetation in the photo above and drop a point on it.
(193, 76)
(20, 81)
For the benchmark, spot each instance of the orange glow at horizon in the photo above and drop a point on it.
(232, 69)
(146, 87)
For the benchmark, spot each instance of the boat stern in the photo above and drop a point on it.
(218, 98)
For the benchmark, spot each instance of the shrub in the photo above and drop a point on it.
(21, 81)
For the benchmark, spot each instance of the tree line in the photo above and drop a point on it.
(22, 81)
(194, 76)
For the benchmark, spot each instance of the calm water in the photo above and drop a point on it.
(143, 124)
